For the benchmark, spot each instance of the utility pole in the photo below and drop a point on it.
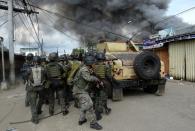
(11, 44)
(3, 83)
(41, 48)
(11, 34)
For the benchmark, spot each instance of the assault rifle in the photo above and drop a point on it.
(99, 83)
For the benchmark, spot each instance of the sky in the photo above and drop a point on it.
(59, 41)
(181, 5)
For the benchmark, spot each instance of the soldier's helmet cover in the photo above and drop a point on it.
(29, 57)
(100, 56)
(53, 56)
(61, 58)
(89, 59)
(37, 59)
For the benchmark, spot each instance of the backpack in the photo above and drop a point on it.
(74, 69)
(37, 76)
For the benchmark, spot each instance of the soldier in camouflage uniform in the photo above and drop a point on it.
(43, 94)
(36, 80)
(63, 61)
(101, 70)
(43, 62)
(28, 64)
(55, 74)
(75, 62)
(80, 92)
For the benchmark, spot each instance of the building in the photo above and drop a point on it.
(177, 53)
(25, 51)
(19, 60)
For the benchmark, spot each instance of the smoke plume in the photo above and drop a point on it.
(137, 18)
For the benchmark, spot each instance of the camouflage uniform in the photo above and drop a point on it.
(43, 94)
(63, 61)
(56, 84)
(35, 84)
(80, 91)
(103, 72)
(26, 66)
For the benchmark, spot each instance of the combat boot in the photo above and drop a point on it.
(35, 120)
(51, 112)
(108, 110)
(95, 126)
(65, 112)
(82, 122)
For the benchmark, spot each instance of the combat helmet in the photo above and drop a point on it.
(63, 57)
(89, 59)
(100, 56)
(37, 59)
(29, 57)
(53, 56)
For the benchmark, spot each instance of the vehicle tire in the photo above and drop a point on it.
(147, 65)
(151, 89)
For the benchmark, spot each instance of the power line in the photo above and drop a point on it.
(78, 22)
(6, 21)
(58, 29)
(37, 35)
(3, 15)
(27, 28)
(170, 17)
(34, 29)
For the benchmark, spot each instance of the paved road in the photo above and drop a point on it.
(175, 111)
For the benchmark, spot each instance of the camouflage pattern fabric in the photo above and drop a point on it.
(56, 85)
(24, 70)
(36, 78)
(80, 91)
(86, 105)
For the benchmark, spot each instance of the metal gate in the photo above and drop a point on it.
(177, 60)
(182, 60)
(190, 60)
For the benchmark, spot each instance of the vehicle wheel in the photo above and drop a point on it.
(117, 93)
(151, 89)
(147, 65)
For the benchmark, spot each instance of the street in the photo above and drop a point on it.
(138, 111)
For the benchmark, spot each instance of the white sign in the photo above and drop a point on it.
(154, 46)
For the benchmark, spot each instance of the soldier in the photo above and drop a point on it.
(43, 95)
(43, 62)
(80, 92)
(63, 61)
(28, 63)
(74, 63)
(35, 83)
(102, 71)
(56, 83)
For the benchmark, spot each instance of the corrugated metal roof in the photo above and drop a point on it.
(150, 44)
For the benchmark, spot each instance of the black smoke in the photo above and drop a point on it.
(144, 17)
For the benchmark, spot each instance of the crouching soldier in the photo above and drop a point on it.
(80, 92)
(35, 83)
(56, 83)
